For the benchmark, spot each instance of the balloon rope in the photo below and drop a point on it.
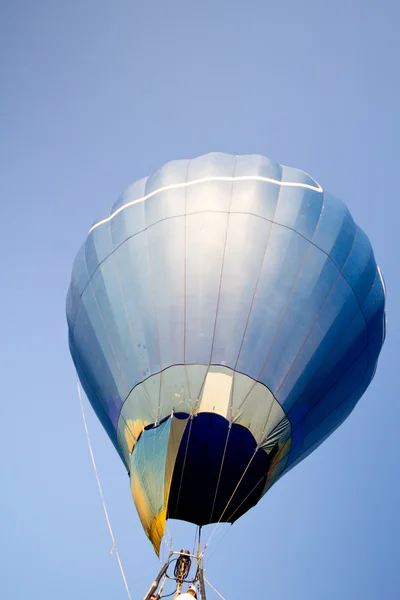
(184, 465)
(230, 499)
(230, 517)
(213, 588)
(220, 471)
(114, 548)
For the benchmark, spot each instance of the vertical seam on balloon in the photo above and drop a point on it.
(105, 329)
(209, 212)
(280, 225)
(83, 369)
(120, 450)
(311, 408)
(128, 318)
(334, 345)
(222, 266)
(154, 312)
(185, 292)
(272, 222)
(358, 311)
(310, 243)
(146, 393)
(319, 315)
(305, 259)
(198, 402)
(220, 472)
(217, 309)
(359, 384)
(183, 466)
(216, 313)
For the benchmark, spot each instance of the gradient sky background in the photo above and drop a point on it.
(96, 94)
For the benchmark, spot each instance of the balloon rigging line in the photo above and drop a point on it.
(220, 471)
(114, 548)
(230, 517)
(174, 186)
(279, 325)
(153, 304)
(196, 531)
(184, 464)
(234, 492)
(230, 499)
(213, 588)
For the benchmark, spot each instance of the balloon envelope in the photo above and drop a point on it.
(225, 316)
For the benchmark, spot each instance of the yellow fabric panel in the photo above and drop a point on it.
(133, 428)
(277, 465)
(158, 524)
(217, 391)
(176, 432)
(146, 484)
(141, 502)
(157, 529)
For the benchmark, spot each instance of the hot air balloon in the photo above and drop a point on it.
(225, 316)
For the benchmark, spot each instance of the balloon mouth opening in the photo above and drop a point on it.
(219, 472)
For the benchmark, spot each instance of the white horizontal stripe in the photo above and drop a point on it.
(382, 280)
(174, 186)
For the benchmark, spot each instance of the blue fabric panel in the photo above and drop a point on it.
(167, 265)
(98, 247)
(299, 209)
(80, 276)
(127, 223)
(336, 230)
(309, 439)
(285, 253)
(360, 269)
(275, 281)
(202, 275)
(131, 264)
(312, 289)
(95, 399)
(89, 355)
(244, 252)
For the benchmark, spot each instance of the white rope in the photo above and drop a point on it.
(213, 588)
(114, 548)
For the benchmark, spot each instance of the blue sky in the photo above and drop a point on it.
(96, 94)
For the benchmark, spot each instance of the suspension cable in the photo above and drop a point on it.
(230, 499)
(114, 549)
(213, 588)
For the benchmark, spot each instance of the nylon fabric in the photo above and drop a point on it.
(226, 287)
(151, 469)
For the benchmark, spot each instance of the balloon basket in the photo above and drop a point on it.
(182, 568)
